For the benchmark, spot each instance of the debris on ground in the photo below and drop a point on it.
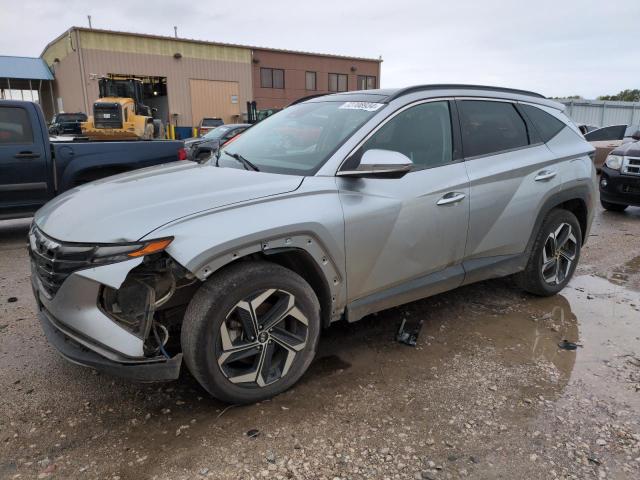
(567, 345)
(409, 337)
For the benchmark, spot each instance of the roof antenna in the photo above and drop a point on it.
(175, 31)
(89, 18)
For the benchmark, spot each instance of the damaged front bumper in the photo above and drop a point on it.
(75, 349)
(106, 316)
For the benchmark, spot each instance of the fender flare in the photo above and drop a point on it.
(581, 192)
(306, 242)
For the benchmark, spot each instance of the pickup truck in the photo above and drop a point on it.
(35, 168)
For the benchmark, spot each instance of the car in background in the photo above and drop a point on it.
(36, 167)
(209, 123)
(605, 139)
(201, 148)
(67, 123)
(620, 178)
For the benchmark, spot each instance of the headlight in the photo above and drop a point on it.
(118, 253)
(614, 162)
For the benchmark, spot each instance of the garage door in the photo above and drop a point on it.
(214, 98)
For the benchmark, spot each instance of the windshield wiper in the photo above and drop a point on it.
(246, 163)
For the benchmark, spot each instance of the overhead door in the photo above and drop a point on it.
(214, 98)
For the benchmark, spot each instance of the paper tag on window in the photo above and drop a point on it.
(368, 106)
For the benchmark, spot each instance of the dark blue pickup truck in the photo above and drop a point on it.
(34, 169)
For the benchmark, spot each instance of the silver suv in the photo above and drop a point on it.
(334, 208)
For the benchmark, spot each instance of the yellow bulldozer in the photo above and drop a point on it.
(119, 113)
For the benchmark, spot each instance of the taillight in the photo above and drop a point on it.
(182, 154)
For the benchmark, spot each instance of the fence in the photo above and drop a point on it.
(602, 113)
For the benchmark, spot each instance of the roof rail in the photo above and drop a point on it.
(308, 97)
(419, 88)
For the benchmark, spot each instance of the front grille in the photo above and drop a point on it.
(107, 115)
(631, 166)
(53, 261)
(630, 189)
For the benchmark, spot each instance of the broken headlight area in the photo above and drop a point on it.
(151, 302)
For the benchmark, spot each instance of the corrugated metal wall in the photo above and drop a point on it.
(603, 113)
(179, 73)
(87, 55)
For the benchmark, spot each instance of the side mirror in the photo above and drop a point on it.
(636, 136)
(202, 154)
(380, 163)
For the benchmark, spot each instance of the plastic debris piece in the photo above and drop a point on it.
(567, 345)
(408, 337)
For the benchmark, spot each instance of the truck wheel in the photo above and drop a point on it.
(554, 255)
(250, 332)
(613, 207)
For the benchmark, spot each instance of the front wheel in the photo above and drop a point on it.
(251, 332)
(554, 255)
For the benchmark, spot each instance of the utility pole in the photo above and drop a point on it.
(89, 18)
(175, 31)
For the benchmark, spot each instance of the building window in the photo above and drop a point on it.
(271, 78)
(338, 82)
(310, 81)
(366, 82)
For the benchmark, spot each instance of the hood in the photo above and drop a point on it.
(629, 149)
(193, 141)
(125, 207)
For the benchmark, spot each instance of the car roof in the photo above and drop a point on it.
(386, 95)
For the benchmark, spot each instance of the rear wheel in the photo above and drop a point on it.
(554, 255)
(251, 332)
(613, 207)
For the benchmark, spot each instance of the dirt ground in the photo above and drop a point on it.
(487, 393)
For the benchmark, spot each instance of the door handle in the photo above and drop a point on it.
(451, 197)
(545, 175)
(27, 155)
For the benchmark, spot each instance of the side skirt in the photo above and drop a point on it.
(415, 289)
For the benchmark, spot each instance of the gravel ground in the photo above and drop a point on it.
(487, 393)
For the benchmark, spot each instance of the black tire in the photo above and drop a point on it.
(532, 279)
(613, 207)
(216, 300)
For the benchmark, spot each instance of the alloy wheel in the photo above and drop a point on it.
(260, 338)
(559, 254)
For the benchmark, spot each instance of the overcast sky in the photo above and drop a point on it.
(555, 47)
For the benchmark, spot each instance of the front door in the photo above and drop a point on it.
(23, 163)
(405, 235)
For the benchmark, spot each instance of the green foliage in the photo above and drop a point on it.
(624, 96)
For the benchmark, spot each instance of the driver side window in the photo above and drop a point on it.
(422, 133)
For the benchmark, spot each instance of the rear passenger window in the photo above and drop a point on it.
(422, 133)
(15, 127)
(547, 125)
(491, 127)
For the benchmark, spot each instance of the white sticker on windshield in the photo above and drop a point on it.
(368, 106)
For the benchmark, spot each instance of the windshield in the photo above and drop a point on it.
(216, 133)
(300, 138)
(211, 122)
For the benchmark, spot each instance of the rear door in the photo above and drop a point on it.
(406, 236)
(23, 162)
(511, 173)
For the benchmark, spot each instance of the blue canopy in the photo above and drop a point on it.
(27, 68)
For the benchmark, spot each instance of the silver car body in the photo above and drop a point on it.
(377, 242)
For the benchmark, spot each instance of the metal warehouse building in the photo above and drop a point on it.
(187, 80)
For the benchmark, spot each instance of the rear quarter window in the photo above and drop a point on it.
(547, 125)
(15, 127)
(491, 127)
